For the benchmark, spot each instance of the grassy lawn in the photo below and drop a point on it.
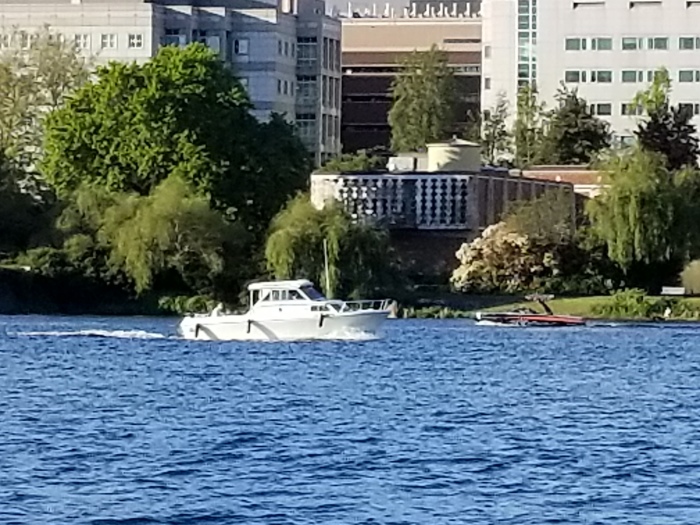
(581, 306)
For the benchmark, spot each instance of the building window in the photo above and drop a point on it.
(686, 42)
(603, 110)
(109, 41)
(689, 108)
(306, 126)
(279, 47)
(286, 48)
(487, 51)
(307, 51)
(602, 77)
(285, 87)
(687, 75)
(82, 41)
(658, 43)
(572, 77)
(631, 44)
(601, 44)
(307, 89)
(487, 83)
(631, 109)
(240, 47)
(279, 86)
(136, 41)
(575, 44)
(632, 77)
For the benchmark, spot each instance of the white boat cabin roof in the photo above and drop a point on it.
(280, 285)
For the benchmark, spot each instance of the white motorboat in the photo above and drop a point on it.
(288, 310)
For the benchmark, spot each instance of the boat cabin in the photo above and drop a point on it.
(284, 292)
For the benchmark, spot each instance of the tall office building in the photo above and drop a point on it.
(606, 49)
(286, 54)
(375, 43)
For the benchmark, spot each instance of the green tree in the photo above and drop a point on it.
(666, 129)
(646, 216)
(573, 135)
(423, 94)
(37, 72)
(528, 127)
(549, 219)
(359, 256)
(495, 137)
(185, 114)
(354, 162)
(141, 237)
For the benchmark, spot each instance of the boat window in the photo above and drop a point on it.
(266, 295)
(320, 308)
(294, 295)
(275, 295)
(312, 293)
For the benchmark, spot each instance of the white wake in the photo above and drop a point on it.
(119, 334)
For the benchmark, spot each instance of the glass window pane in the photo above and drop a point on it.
(629, 76)
(685, 76)
(573, 44)
(686, 43)
(572, 76)
(629, 43)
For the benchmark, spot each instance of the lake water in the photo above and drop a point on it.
(115, 421)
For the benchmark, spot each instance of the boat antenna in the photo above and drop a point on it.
(325, 267)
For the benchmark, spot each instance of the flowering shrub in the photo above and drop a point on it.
(501, 260)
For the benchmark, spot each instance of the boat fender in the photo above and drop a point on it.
(320, 320)
(249, 324)
(196, 330)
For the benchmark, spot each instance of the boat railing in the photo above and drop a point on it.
(371, 304)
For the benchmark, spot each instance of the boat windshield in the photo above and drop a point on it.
(312, 293)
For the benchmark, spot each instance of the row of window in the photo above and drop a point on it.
(82, 41)
(630, 43)
(630, 76)
(605, 109)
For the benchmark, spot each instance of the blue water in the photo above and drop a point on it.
(115, 421)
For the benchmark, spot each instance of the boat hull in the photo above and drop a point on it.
(247, 328)
(517, 319)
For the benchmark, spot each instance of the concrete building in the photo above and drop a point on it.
(374, 43)
(433, 202)
(286, 54)
(608, 50)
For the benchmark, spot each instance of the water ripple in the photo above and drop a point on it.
(117, 422)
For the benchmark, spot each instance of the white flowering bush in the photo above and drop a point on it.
(502, 260)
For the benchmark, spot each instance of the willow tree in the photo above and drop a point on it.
(423, 94)
(646, 215)
(359, 257)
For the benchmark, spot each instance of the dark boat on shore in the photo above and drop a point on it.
(529, 317)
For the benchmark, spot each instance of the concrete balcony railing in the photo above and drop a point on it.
(428, 200)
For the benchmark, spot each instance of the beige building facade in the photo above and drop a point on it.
(373, 47)
(277, 49)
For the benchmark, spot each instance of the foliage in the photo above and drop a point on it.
(362, 161)
(495, 135)
(185, 304)
(646, 214)
(657, 96)
(183, 113)
(141, 237)
(423, 96)
(633, 304)
(359, 257)
(37, 73)
(573, 135)
(501, 260)
(690, 277)
(472, 127)
(666, 130)
(548, 218)
(528, 127)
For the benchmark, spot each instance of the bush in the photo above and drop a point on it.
(690, 277)
(634, 304)
(183, 304)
